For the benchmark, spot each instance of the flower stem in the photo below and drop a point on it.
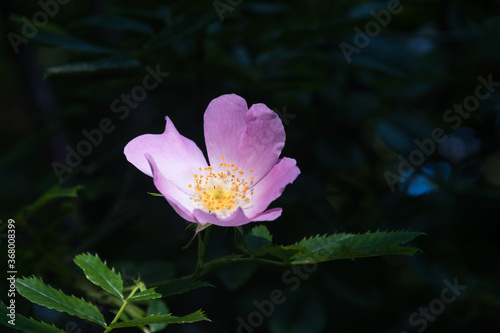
(202, 252)
(203, 268)
(207, 267)
(122, 308)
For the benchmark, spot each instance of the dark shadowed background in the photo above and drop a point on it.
(391, 109)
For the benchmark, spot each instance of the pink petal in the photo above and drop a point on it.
(271, 187)
(252, 139)
(261, 144)
(224, 123)
(268, 215)
(236, 219)
(181, 202)
(177, 157)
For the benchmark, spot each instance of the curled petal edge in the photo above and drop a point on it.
(166, 187)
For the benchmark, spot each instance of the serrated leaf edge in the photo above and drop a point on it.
(56, 300)
(111, 269)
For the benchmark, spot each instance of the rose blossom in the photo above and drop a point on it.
(245, 173)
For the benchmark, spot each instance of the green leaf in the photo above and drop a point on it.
(259, 243)
(163, 319)
(160, 14)
(91, 67)
(157, 195)
(157, 307)
(179, 286)
(258, 237)
(145, 295)
(71, 43)
(26, 325)
(351, 246)
(285, 253)
(182, 29)
(115, 22)
(38, 292)
(53, 193)
(100, 274)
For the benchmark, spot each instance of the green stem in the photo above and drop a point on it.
(124, 305)
(207, 267)
(202, 252)
(203, 268)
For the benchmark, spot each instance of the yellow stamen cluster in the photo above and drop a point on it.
(223, 190)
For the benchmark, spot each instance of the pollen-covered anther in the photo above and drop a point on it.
(221, 191)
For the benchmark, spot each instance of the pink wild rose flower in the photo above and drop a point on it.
(245, 173)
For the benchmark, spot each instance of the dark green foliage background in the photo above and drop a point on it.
(285, 54)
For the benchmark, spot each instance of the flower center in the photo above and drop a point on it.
(223, 190)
